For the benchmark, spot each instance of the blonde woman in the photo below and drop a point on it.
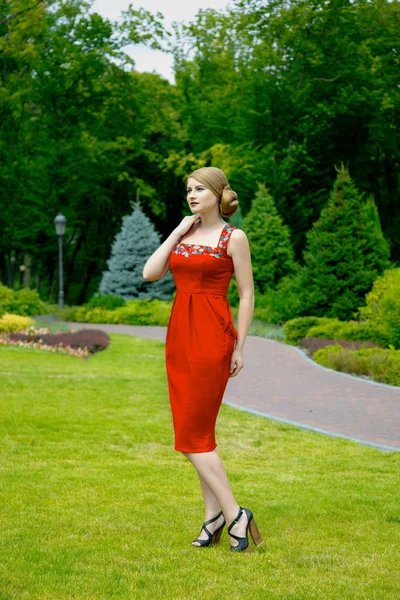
(203, 349)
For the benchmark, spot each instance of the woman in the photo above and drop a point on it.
(203, 349)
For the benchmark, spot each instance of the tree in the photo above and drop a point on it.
(269, 238)
(136, 241)
(345, 252)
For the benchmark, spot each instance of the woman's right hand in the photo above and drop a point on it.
(186, 224)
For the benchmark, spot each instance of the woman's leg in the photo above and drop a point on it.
(216, 492)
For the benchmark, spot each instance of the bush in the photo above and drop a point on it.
(383, 305)
(24, 302)
(96, 315)
(382, 365)
(382, 285)
(295, 329)
(134, 312)
(10, 323)
(66, 313)
(107, 301)
(285, 302)
(350, 330)
(145, 312)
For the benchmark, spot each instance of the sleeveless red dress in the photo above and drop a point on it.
(200, 340)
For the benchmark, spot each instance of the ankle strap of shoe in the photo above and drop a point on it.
(236, 519)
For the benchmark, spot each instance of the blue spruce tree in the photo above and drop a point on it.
(131, 248)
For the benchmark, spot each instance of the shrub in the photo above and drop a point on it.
(144, 312)
(10, 322)
(285, 302)
(96, 315)
(382, 365)
(134, 312)
(383, 304)
(350, 330)
(107, 301)
(294, 329)
(23, 302)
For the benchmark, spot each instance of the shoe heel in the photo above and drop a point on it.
(217, 535)
(255, 534)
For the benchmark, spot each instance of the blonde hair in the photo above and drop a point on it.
(215, 180)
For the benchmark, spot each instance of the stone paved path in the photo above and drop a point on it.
(280, 382)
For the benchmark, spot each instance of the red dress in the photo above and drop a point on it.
(200, 340)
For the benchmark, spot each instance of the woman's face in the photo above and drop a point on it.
(200, 198)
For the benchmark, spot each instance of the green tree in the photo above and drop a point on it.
(132, 246)
(271, 248)
(345, 252)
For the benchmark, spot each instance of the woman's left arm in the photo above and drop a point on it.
(240, 251)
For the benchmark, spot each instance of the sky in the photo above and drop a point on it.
(173, 10)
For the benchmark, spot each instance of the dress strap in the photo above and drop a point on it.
(224, 238)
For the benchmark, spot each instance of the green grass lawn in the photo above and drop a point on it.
(96, 504)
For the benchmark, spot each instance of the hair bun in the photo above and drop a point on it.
(229, 202)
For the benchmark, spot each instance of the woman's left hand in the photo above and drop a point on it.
(236, 362)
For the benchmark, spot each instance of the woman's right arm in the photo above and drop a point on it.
(158, 263)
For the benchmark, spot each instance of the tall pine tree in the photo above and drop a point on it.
(345, 252)
(131, 248)
(269, 239)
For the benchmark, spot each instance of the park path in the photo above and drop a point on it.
(280, 382)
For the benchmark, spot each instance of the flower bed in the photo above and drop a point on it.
(82, 343)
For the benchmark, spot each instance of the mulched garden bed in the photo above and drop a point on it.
(81, 343)
(312, 344)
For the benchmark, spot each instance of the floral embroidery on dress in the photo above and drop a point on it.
(188, 249)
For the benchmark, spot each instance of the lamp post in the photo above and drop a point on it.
(60, 222)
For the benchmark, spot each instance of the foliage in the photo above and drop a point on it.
(284, 302)
(21, 302)
(134, 312)
(320, 85)
(295, 329)
(381, 364)
(132, 246)
(352, 330)
(11, 322)
(107, 301)
(383, 304)
(345, 252)
(269, 239)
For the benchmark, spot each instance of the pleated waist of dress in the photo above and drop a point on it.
(202, 291)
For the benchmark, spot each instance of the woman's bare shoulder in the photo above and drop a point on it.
(238, 242)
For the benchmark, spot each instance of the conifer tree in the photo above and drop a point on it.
(131, 248)
(271, 249)
(345, 252)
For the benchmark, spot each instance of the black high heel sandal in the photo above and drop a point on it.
(243, 542)
(213, 538)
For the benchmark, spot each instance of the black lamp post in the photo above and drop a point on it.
(60, 222)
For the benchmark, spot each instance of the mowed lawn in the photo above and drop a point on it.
(96, 504)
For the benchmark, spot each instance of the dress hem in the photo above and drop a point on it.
(195, 451)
